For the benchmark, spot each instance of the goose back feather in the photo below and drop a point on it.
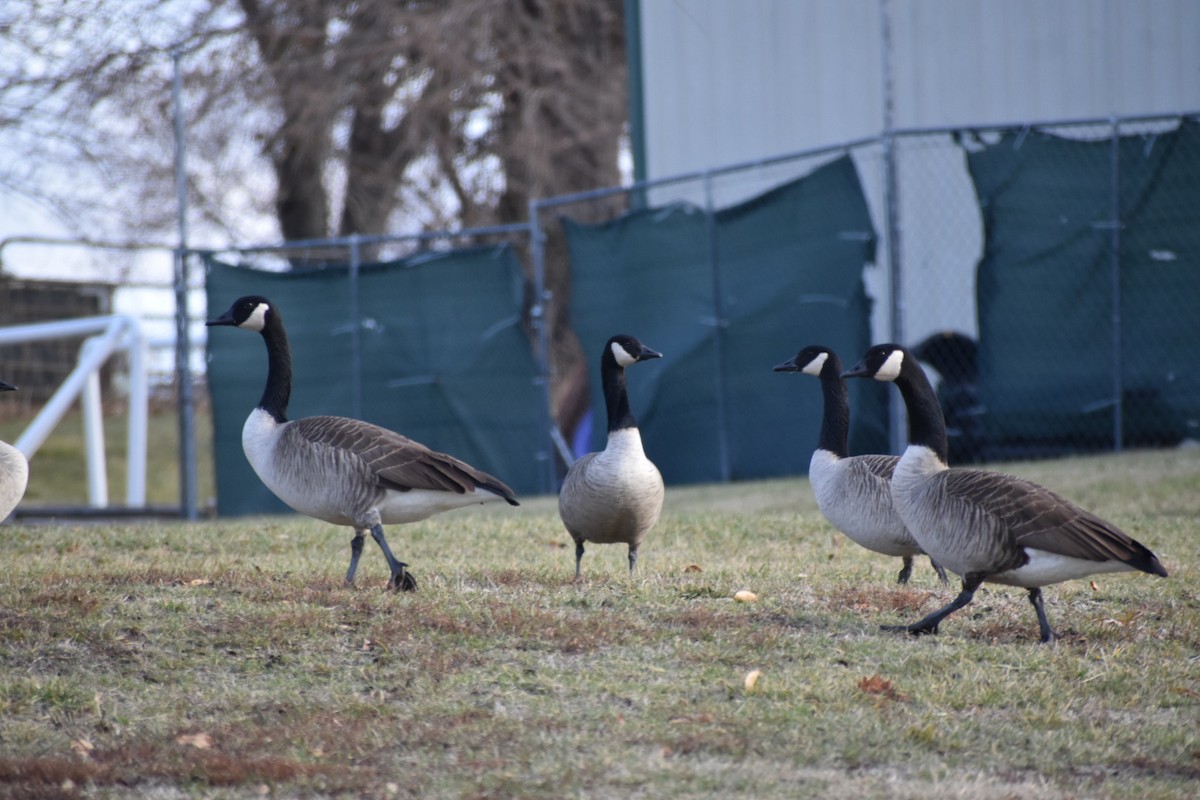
(614, 495)
(342, 470)
(989, 526)
(852, 492)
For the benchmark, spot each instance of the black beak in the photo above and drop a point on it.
(224, 319)
(7, 387)
(647, 354)
(788, 366)
(859, 370)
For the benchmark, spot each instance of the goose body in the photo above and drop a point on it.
(853, 492)
(988, 526)
(614, 495)
(14, 472)
(346, 471)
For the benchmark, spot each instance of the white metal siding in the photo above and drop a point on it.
(729, 82)
(733, 81)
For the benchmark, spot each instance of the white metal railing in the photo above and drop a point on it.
(108, 335)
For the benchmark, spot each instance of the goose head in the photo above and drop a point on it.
(626, 350)
(811, 360)
(249, 312)
(883, 362)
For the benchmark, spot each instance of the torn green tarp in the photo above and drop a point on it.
(724, 302)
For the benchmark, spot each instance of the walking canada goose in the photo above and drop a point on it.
(616, 494)
(345, 471)
(854, 493)
(987, 526)
(14, 471)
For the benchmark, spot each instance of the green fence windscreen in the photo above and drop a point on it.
(725, 299)
(444, 361)
(1053, 300)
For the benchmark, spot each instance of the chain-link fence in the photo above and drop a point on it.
(1048, 273)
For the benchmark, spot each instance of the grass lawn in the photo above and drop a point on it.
(226, 659)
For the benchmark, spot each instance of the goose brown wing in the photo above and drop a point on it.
(1034, 516)
(399, 463)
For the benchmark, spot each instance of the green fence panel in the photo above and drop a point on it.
(444, 361)
(1047, 303)
(725, 299)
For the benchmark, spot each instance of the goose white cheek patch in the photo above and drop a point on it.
(257, 319)
(815, 366)
(622, 355)
(890, 369)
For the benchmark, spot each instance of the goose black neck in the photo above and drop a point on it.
(279, 369)
(616, 397)
(926, 425)
(835, 419)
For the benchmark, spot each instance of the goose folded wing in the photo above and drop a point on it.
(1036, 517)
(397, 462)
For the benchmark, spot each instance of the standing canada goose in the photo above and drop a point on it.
(854, 493)
(987, 526)
(14, 471)
(345, 471)
(616, 494)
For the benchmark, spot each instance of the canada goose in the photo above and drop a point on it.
(616, 494)
(854, 493)
(14, 471)
(345, 471)
(987, 526)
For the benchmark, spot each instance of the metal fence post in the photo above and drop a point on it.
(356, 392)
(183, 338)
(718, 323)
(537, 318)
(1114, 260)
(896, 417)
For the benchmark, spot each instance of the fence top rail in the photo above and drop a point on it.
(1056, 123)
(360, 240)
(853, 144)
(769, 161)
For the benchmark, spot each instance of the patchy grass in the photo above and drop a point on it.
(226, 659)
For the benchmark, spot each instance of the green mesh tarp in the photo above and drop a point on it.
(725, 300)
(1052, 301)
(444, 361)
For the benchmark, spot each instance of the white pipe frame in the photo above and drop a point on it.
(108, 335)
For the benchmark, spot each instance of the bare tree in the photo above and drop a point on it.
(357, 108)
(329, 118)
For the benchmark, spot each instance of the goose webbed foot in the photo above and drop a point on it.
(402, 581)
(929, 624)
(905, 571)
(916, 629)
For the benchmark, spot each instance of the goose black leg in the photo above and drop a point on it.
(941, 572)
(578, 556)
(905, 571)
(930, 623)
(1035, 597)
(401, 580)
(632, 557)
(356, 546)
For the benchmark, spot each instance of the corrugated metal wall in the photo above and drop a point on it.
(727, 82)
(732, 82)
